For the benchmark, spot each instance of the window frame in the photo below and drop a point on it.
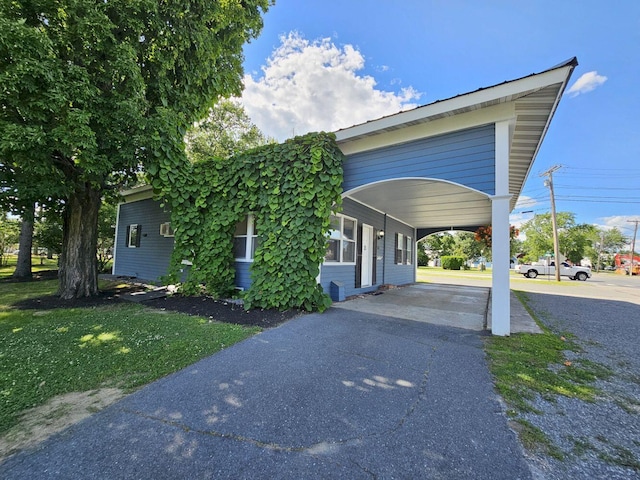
(251, 240)
(408, 250)
(399, 249)
(403, 252)
(134, 229)
(342, 240)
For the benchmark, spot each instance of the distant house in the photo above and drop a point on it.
(457, 163)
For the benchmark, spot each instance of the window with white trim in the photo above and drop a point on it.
(133, 235)
(399, 249)
(245, 239)
(341, 246)
(408, 251)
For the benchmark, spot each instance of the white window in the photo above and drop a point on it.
(245, 240)
(133, 235)
(399, 249)
(404, 249)
(341, 246)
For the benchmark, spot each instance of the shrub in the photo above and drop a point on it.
(423, 258)
(452, 262)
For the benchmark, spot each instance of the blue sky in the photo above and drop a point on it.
(324, 65)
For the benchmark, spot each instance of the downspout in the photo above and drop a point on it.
(384, 249)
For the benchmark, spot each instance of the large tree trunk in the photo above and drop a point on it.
(78, 263)
(23, 267)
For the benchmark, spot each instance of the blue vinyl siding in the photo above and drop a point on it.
(243, 274)
(465, 157)
(386, 271)
(398, 274)
(151, 259)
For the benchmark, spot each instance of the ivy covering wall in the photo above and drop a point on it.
(291, 189)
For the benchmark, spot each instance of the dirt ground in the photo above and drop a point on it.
(219, 310)
(60, 412)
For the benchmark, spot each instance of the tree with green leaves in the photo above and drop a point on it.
(440, 243)
(90, 91)
(9, 234)
(606, 243)
(48, 232)
(106, 234)
(23, 263)
(225, 132)
(466, 246)
(574, 239)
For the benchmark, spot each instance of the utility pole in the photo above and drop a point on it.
(633, 244)
(556, 247)
(600, 251)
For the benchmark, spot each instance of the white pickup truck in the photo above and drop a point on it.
(566, 270)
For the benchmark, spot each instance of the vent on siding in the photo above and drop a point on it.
(166, 230)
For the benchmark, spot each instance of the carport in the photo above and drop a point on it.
(458, 163)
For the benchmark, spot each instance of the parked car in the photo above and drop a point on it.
(566, 270)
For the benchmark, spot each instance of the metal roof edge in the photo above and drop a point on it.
(506, 88)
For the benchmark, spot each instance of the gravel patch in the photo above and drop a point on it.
(599, 440)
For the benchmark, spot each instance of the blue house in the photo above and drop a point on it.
(458, 163)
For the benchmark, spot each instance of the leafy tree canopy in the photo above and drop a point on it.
(89, 91)
(225, 132)
(574, 239)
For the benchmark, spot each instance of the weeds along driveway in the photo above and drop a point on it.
(343, 394)
(599, 439)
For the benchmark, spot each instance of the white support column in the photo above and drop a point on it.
(500, 291)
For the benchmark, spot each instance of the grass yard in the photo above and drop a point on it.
(46, 353)
(38, 264)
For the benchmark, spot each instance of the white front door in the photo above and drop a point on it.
(367, 255)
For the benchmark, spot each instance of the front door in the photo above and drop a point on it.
(367, 255)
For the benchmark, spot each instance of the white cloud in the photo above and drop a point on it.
(586, 83)
(622, 222)
(525, 202)
(314, 86)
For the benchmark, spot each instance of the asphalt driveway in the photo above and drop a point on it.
(344, 394)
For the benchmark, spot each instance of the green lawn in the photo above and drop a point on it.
(38, 264)
(45, 353)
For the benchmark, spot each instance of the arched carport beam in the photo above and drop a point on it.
(425, 202)
(421, 233)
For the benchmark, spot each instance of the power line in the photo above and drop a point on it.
(635, 189)
(599, 197)
(573, 199)
(583, 169)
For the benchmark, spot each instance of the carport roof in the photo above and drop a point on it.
(529, 103)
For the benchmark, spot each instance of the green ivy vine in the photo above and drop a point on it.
(291, 189)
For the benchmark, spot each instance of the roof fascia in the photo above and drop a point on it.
(136, 194)
(465, 101)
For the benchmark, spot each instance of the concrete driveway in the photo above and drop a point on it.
(460, 306)
(344, 394)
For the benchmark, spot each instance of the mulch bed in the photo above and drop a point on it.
(218, 310)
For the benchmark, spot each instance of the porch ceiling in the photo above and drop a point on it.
(427, 203)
